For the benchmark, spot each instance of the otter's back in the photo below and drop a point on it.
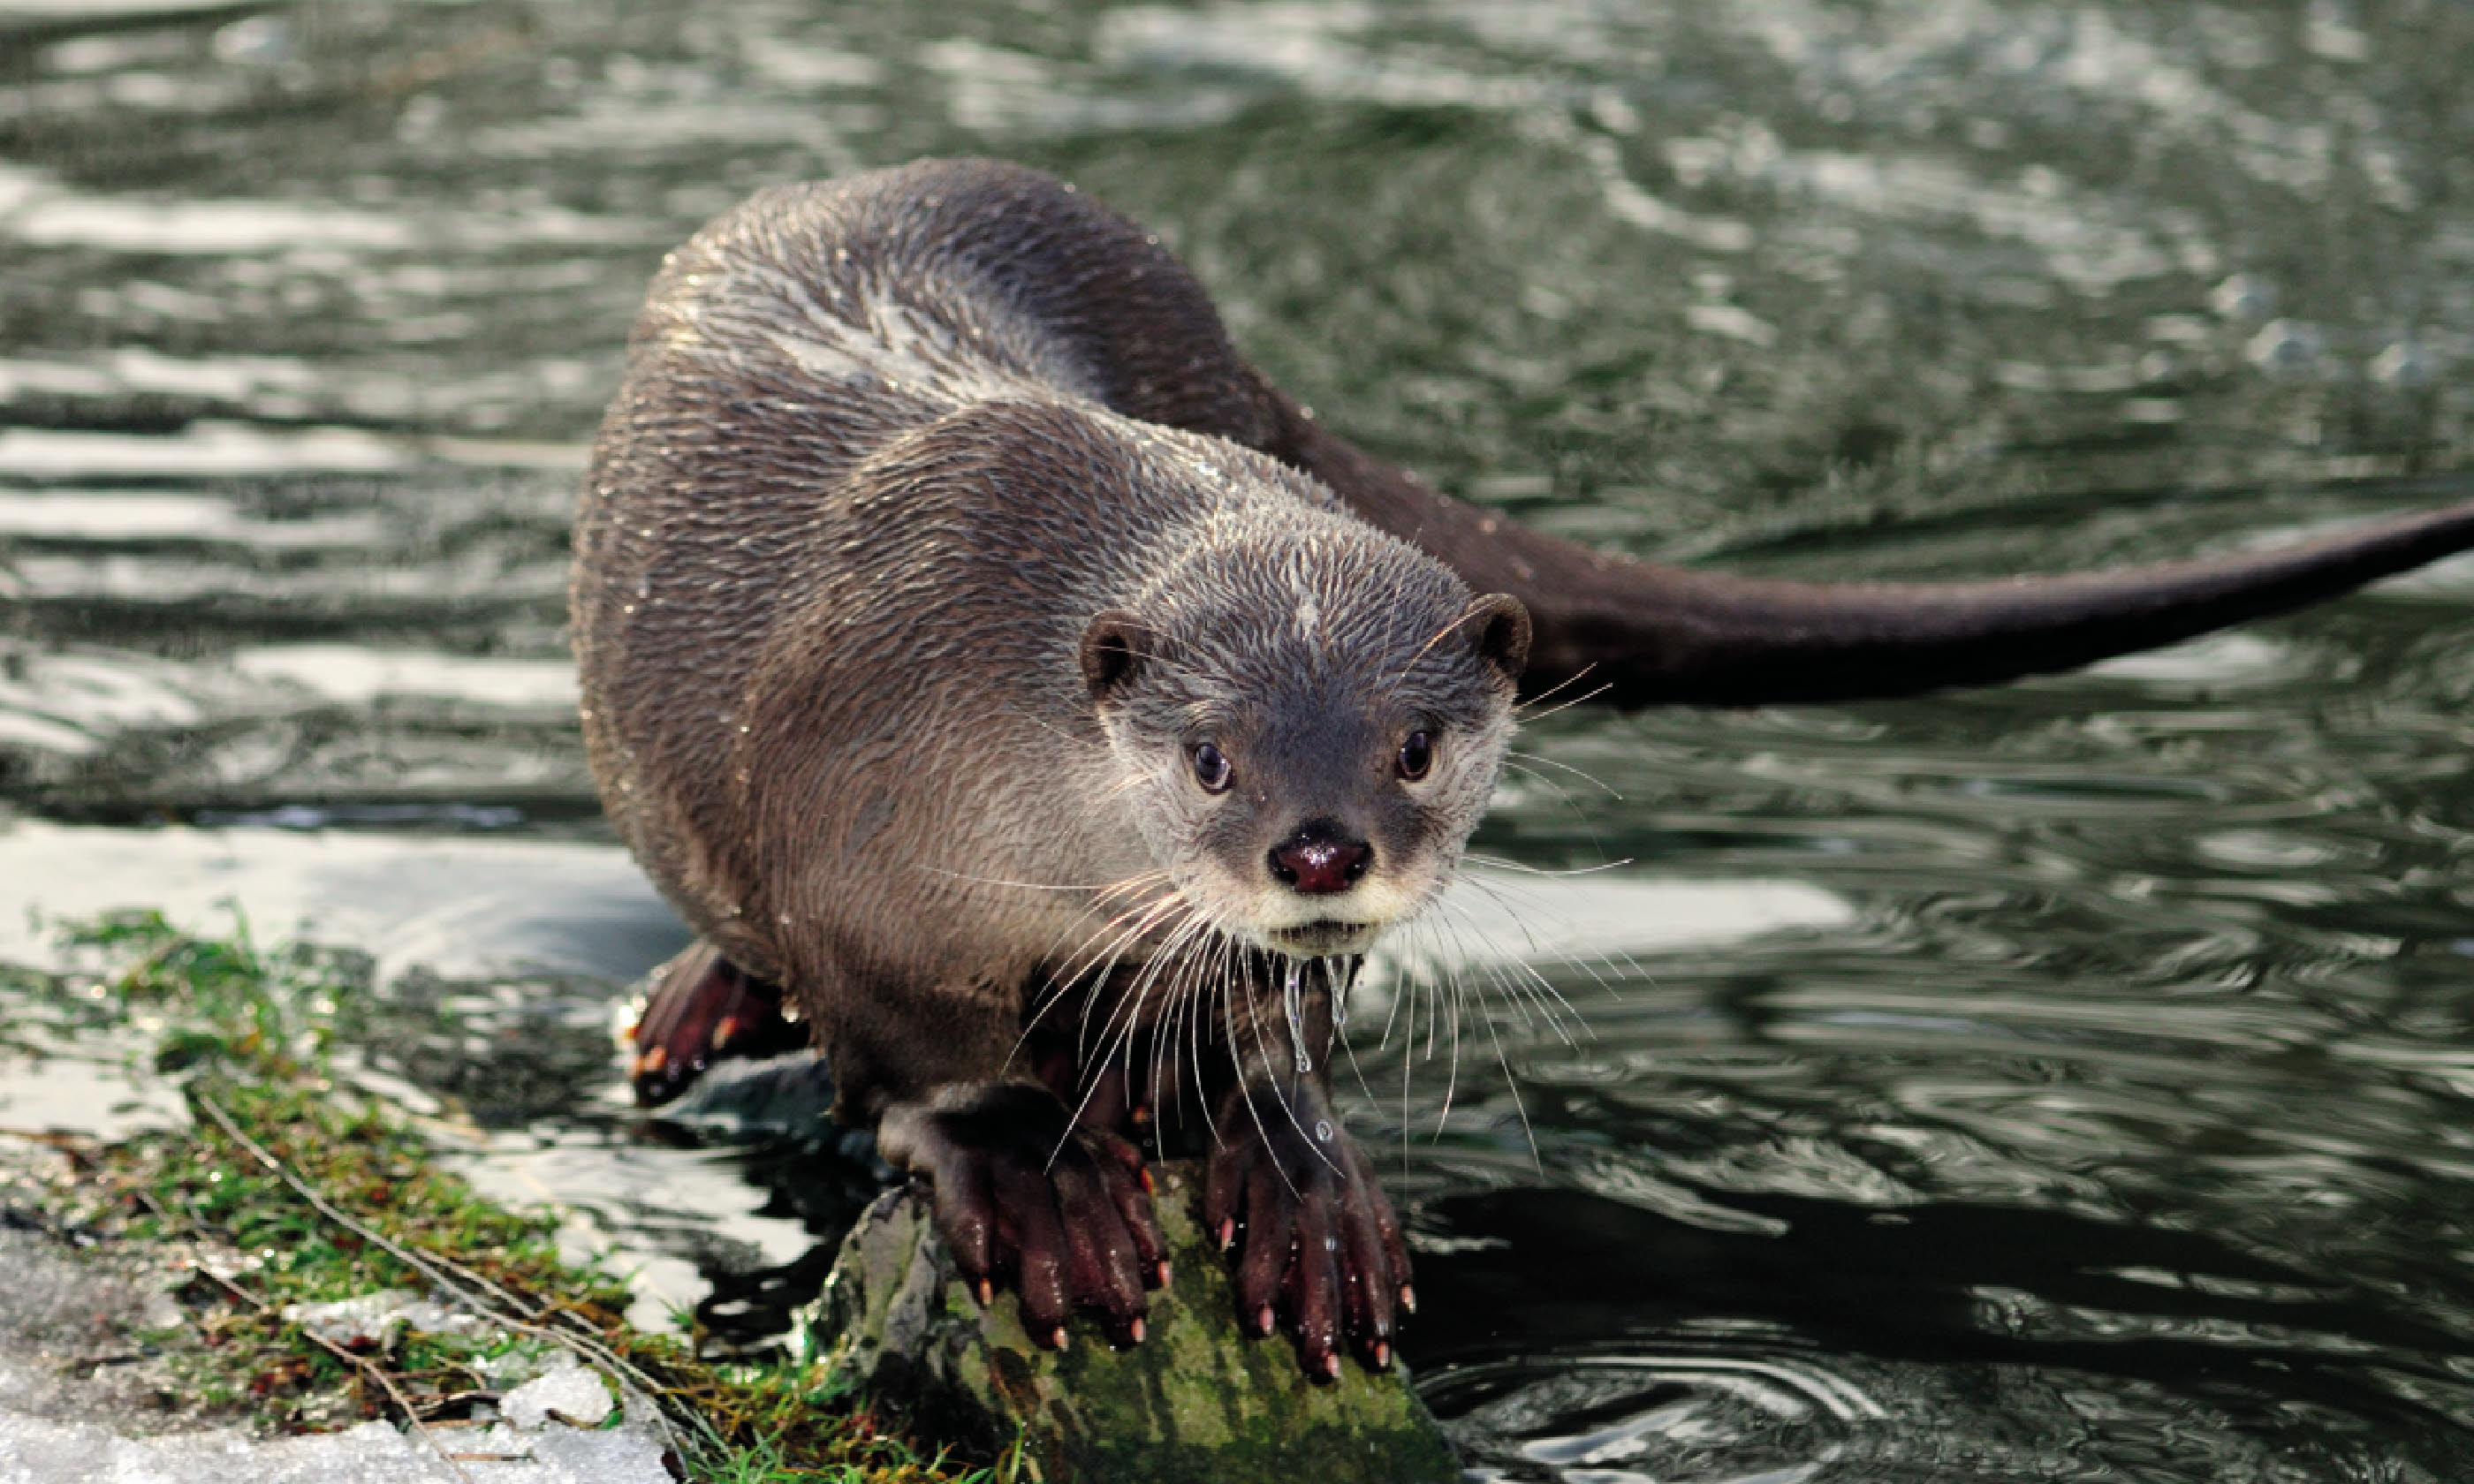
(813, 330)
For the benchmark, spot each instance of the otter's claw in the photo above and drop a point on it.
(1320, 1244)
(1023, 1194)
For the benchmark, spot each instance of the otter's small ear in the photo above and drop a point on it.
(1114, 646)
(1499, 627)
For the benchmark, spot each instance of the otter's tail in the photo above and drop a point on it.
(1647, 634)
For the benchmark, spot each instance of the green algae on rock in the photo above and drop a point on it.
(279, 1193)
(1197, 1402)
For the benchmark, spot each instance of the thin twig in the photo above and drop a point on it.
(361, 1363)
(418, 1262)
(587, 1345)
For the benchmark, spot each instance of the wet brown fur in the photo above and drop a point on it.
(847, 520)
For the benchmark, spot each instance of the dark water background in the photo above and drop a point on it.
(2064, 1080)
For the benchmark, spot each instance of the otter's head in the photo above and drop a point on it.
(1309, 722)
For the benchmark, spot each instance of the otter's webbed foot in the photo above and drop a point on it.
(1023, 1194)
(1322, 1252)
(704, 1007)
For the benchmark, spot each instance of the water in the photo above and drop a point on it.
(1293, 1005)
(2052, 1082)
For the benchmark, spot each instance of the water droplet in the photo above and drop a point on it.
(2404, 364)
(2284, 347)
(1322, 1130)
(1335, 987)
(2244, 296)
(1291, 1002)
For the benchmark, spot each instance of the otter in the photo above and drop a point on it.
(1014, 689)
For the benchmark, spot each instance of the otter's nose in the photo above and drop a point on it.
(1319, 860)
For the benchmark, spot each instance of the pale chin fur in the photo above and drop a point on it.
(1327, 938)
(1342, 925)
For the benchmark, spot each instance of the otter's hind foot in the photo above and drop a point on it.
(1021, 1192)
(1321, 1252)
(703, 1009)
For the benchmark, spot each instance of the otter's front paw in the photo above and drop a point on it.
(1064, 1212)
(1323, 1250)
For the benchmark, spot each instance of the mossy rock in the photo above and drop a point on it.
(1197, 1402)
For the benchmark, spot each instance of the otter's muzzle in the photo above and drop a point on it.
(1320, 860)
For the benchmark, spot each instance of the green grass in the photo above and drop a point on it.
(249, 1032)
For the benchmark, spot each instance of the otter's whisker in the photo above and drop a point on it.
(1167, 1049)
(1574, 679)
(1129, 780)
(1128, 1010)
(1496, 956)
(1521, 983)
(1129, 1007)
(1150, 922)
(1563, 796)
(1502, 1059)
(1280, 1094)
(1408, 1047)
(1228, 1013)
(1189, 984)
(1452, 1066)
(1616, 960)
(1178, 955)
(1172, 998)
(1505, 863)
(1512, 1085)
(1059, 989)
(1583, 699)
(1584, 776)
(1128, 928)
(1357, 1069)
(1098, 903)
(1472, 611)
(1408, 993)
(1498, 895)
(1434, 1009)
(1050, 729)
(1225, 979)
(1040, 886)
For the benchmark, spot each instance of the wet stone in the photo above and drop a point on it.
(569, 1394)
(734, 1102)
(1197, 1402)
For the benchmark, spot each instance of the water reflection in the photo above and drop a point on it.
(2089, 1350)
(2054, 1080)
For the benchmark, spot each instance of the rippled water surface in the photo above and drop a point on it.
(2064, 1080)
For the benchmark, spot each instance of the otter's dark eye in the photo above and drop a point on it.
(1416, 755)
(1210, 769)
